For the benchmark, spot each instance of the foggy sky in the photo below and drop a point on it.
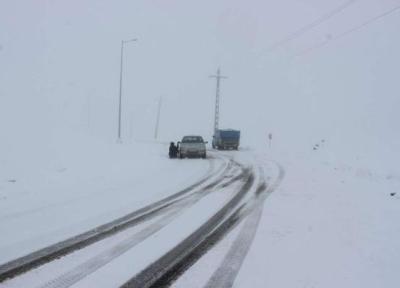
(59, 71)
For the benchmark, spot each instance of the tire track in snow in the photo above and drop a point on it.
(225, 275)
(171, 265)
(52, 252)
(81, 271)
(86, 268)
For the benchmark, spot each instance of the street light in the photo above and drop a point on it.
(120, 86)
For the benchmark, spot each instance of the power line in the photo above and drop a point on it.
(349, 31)
(311, 25)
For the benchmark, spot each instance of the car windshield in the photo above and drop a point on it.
(192, 139)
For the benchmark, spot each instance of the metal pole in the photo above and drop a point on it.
(216, 117)
(217, 98)
(120, 92)
(120, 88)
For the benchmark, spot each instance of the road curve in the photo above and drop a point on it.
(161, 272)
(111, 252)
(23, 264)
(248, 190)
(164, 271)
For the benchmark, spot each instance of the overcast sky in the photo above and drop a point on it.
(59, 70)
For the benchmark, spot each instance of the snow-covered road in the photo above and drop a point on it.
(157, 243)
(210, 223)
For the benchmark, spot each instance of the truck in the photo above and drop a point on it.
(226, 139)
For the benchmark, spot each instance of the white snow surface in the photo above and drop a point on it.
(328, 224)
(78, 188)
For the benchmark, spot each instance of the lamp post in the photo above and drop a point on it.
(123, 42)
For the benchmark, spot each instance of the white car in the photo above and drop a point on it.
(192, 146)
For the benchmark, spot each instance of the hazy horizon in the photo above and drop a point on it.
(59, 69)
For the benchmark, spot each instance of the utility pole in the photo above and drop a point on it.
(217, 97)
(120, 87)
(158, 118)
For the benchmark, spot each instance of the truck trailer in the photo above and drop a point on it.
(226, 139)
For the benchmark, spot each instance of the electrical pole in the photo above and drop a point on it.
(217, 97)
(120, 88)
(158, 118)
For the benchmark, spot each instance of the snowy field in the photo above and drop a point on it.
(71, 190)
(326, 225)
(329, 225)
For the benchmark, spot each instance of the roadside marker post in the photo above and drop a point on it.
(269, 139)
